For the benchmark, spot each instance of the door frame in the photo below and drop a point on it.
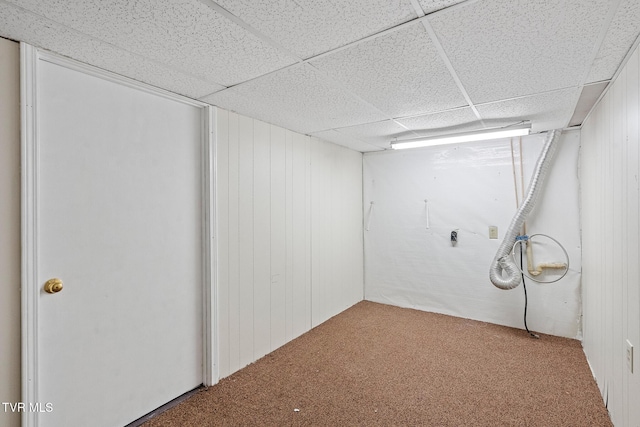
(29, 60)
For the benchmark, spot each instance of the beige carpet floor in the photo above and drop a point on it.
(379, 365)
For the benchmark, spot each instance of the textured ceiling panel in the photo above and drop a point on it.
(346, 141)
(298, 98)
(311, 27)
(623, 31)
(430, 6)
(185, 35)
(17, 24)
(504, 49)
(379, 133)
(547, 111)
(400, 73)
(459, 120)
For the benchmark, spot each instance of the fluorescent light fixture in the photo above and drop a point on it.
(481, 135)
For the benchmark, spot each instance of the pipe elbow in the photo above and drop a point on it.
(504, 265)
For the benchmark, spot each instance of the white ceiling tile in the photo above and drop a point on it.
(504, 49)
(430, 6)
(401, 73)
(623, 31)
(18, 24)
(311, 27)
(551, 110)
(379, 133)
(458, 120)
(185, 35)
(298, 98)
(345, 141)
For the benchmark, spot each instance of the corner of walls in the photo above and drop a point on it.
(420, 196)
(610, 202)
(337, 269)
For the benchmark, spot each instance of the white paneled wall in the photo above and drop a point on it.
(337, 262)
(289, 235)
(610, 233)
(410, 261)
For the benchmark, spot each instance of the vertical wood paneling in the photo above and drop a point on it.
(262, 242)
(335, 263)
(290, 236)
(222, 205)
(623, 246)
(234, 249)
(336, 229)
(299, 235)
(610, 224)
(278, 237)
(307, 235)
(317, 272)
(632, 298)
(289, 153)
(355, 245)
(245, 235)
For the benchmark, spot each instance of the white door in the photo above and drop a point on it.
(117, 213)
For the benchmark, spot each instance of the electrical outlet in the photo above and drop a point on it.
(493, 232)
(630, 356)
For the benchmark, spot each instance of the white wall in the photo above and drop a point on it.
(290, 235)
(611, 283)
(9, 229)
(468, 187)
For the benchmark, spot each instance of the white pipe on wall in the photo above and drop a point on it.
(502, 262)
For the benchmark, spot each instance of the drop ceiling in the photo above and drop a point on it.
(359, 73)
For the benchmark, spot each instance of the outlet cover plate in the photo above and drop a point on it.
(493, 232)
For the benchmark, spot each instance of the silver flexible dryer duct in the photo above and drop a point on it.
(503, 261)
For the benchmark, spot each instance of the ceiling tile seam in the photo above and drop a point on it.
(235, 19)
(390, 30)
(418, 9)
(236, 85)
(300, 61)
(615, 4)
(427, 26)
(452, 71)
(448, 110)
(404, 126)
(238, 21)
(599, 82)
(73, 30)
(613, 8)
(335, 82)
(623, 63)
(515, 98)
(357, 139)
(365, 124)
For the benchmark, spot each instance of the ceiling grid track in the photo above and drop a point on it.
(445, 58)
(414, 90)
(613, 8)
(335, 82)
(236, 20)
(422, 17)
(629, 54)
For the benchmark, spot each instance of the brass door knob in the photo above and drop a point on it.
(53, 286)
